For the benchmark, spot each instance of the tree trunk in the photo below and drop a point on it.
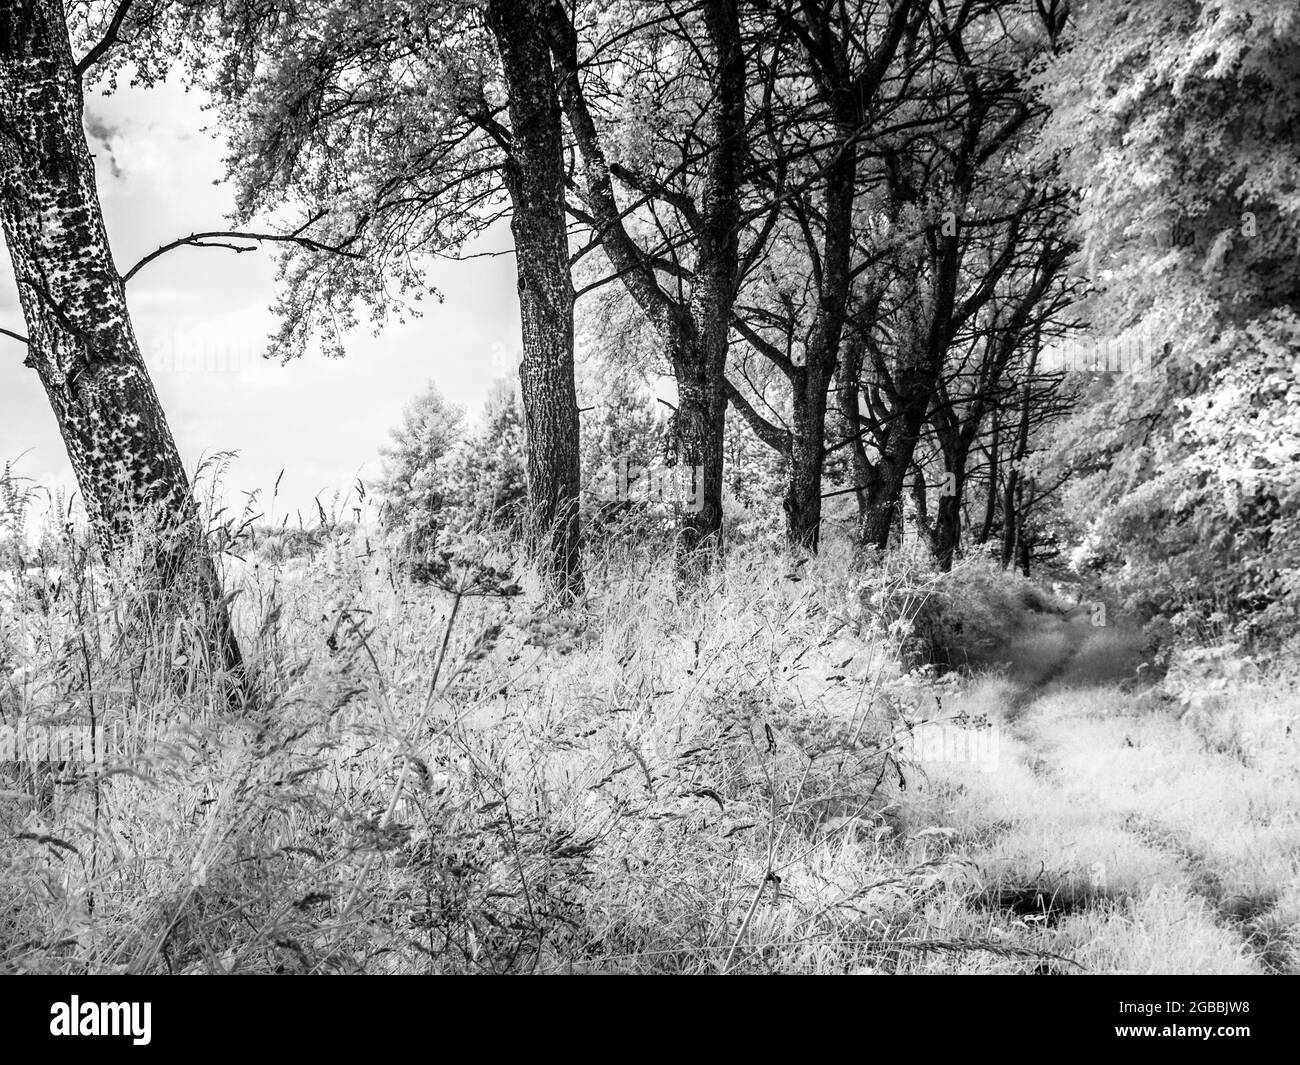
(1013, 517)
(701, 370)
(1010, 524)
(946, 538)
(947, 528)
(991, 499)
(803, 497)
(1024, 543)
(885, 487)
(698, 433)
(803, 502)
(848, 390)
(880, 516)
(535, 179)
(80, 339)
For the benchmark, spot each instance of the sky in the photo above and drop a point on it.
(202, 318)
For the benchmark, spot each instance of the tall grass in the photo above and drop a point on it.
(442, 771)
(442, 774)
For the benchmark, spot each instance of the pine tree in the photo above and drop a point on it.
(416, 468)
(488, 479)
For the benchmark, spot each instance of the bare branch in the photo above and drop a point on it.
(220, 239)
(772, 435)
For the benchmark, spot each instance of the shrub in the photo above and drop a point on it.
(956, 620)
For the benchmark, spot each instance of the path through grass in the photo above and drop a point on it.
(1109, 828)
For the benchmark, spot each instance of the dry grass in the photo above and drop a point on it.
(450, 776)
(1126, 831)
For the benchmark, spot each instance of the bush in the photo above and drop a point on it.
(957, 620)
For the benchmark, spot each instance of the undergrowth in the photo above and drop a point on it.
(440, 773)
(437, 770)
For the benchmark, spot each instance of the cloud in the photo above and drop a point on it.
(99, 128)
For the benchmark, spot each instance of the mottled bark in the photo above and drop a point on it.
(80, 338)
(803, 496)
(698, 431)
(534, 174)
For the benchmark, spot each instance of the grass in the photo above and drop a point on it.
(446, 775)
(1124, 833)
(449, 777)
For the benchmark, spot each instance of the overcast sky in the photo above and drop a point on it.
(202, 318)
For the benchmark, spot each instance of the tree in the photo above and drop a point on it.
(810, 185)
(1177, 122)
(434, 121)
(488, 481)
(898, 212)
(80, 339)
(535, 177)
(416, 467)
(981, 384)
(955, 180)
(684, 284)
(622, 443)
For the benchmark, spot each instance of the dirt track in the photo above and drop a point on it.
(1109, 832)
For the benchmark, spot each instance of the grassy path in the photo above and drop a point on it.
(1107, 830)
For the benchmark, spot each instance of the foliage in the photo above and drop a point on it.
(416, 466)
(954, 621)
(1176, 122)
(754, 484)
(487, 478)
(622, 445)
(371, 151)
